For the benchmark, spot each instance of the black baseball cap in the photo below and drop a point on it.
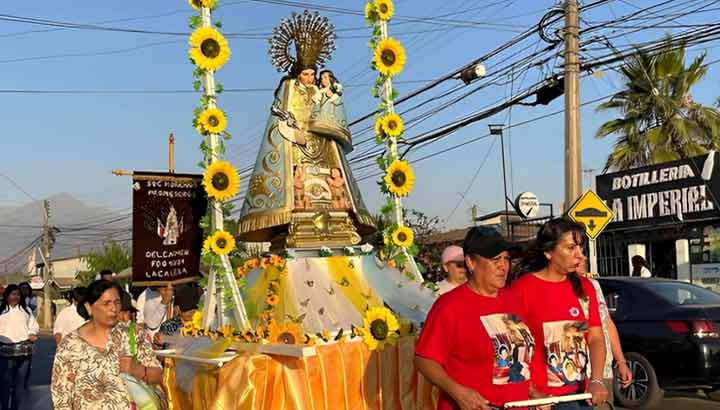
(187, 297)
(126, 304)
(486, 242)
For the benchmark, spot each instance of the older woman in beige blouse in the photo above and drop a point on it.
(89, 361)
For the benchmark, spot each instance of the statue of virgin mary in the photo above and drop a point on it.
(302, 192)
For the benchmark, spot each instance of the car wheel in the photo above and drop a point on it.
(644, 392)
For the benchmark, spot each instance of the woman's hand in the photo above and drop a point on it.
(599, 393)
(126, 364)
(33, 338)
(469, 399)
(536, 394)
(626, 376)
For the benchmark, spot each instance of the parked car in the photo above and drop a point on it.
(670, 332)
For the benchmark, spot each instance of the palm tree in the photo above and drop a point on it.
(659, 120)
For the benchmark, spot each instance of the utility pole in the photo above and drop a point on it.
(573, 152)
(47, 319)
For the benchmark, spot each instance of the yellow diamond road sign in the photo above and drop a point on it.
(592, 211)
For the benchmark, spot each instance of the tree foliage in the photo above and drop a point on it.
(659, 120)
(112, 256)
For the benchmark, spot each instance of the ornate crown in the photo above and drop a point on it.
(314, 39)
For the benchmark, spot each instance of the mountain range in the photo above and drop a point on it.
(79, 227)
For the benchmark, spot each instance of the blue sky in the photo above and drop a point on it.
(70, 143)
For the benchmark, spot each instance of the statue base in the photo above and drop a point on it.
(313, 229)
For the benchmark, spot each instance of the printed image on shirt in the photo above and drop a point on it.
(514, 347)
(566, 352)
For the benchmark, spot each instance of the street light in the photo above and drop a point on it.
(497, 129)
(472, 73)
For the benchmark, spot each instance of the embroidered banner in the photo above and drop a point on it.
(167, 238)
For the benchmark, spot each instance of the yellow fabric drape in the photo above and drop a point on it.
(353, 283)
(343, 376)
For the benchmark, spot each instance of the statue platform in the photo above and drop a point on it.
(328, 293)
(322, 295)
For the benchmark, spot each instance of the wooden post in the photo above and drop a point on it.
(393, 149)
(213, 306)
(171, 154)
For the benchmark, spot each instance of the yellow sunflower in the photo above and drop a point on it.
(221, 181)
(248, 336)
(400, 178)
(206, 245)
(384, 9)
(222, 243)
(370, 12)
(197, 319)
(196, 4)
(407, 328)
(276, 260)
(403, 237)
(379, 131)
(389, 57)
(392, 125)
(188, 330)
(287, 333)
(240, 272)
(212, 121)
(272, 300)
(209, 49)
(380, 327)
(227, 331)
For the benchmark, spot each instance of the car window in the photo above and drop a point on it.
(679, 293)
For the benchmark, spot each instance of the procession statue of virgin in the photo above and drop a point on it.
(302, 193)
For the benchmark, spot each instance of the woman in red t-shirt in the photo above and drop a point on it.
(561, 310)
(473, 345)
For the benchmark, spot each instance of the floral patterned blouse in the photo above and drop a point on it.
(87, 378)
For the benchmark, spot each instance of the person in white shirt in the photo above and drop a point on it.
(18, 332)
(453, 263)
(155, 305)
(640, 267)
(105, 274)
(69, 319)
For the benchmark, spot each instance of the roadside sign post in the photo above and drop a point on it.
(591, 211)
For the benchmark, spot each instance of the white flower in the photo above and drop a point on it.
(349, 250)
(290, 254)
(325, 251)
(366, 248)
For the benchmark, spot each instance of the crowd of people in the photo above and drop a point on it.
(105, 341)
(502, 329)
(513, 330)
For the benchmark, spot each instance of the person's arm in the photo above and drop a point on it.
(62, 386)
(33, 328)
(466, 398)
(626, 376)
(596, 344)
(148, 367)
(140, 316)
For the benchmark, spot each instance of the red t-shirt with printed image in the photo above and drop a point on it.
(559, 326)
(481, 343)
